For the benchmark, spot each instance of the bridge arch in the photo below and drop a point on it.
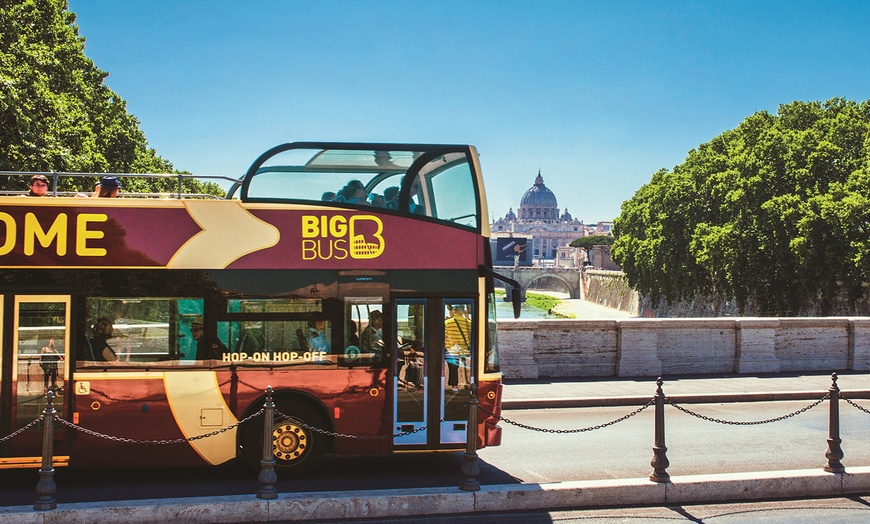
(572, 278)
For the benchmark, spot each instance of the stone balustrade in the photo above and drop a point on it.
(645, 347)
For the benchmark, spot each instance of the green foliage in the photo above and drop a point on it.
(595, 240)
(774, 213)
(55, 112)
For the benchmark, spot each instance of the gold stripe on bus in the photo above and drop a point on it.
(199, 408)
(229, 232)
(22, 462)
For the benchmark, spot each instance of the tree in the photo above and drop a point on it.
(55, 112)
(773, 213)
(595, 240)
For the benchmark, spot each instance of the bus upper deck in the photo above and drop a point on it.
(439, 182)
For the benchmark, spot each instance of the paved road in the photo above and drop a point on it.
(433, 477)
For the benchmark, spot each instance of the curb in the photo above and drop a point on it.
(710, 398)
(451, 501)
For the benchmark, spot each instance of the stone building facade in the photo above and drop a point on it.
(539, 220)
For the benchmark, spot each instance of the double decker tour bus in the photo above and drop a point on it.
(355, 279)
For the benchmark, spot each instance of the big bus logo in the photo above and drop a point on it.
(337, 237)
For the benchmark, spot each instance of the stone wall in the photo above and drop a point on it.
(611, 289)
(643, 347)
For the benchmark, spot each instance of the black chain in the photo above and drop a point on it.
(753, 423)
(581, 430)
(345, 435)
(22, 430)
(865, 410)
(165, 441)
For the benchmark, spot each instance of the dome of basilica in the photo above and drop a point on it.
(539, 202)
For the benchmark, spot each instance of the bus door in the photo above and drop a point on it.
(432, 370)
(410, 377)
(455, 368)
(34, 359)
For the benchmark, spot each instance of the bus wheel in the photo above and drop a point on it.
(297, 448)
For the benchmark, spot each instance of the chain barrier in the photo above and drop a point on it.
(752, 423)
(22, 430)
(580, 430)
(346, 435)
(159, 442)
(854, 405)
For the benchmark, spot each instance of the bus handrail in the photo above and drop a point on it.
(179, 177)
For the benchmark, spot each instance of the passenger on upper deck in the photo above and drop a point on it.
(391, 197)
(38, 185)
(353, 193)
(415, 207)
(109, 187)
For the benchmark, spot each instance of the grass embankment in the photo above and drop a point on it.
(544, 302)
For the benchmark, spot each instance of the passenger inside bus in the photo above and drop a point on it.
(457, 331)
(207, 346)
(102, 331)
(372, 336)
(317, 338)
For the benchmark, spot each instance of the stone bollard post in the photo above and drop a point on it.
(268, 477)
(470, 469)
(834, 453)
(46, 487)
(660, 461)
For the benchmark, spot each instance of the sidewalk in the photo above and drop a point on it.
(525, 394)
(590, 392)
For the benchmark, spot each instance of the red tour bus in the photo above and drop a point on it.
(355, 279)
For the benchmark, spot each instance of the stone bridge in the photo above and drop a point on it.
(571, 277)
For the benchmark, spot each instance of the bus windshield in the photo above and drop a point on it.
(436, 182)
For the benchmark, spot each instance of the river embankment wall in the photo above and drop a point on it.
(644, 347)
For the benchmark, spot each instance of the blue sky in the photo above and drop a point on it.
(597, 95)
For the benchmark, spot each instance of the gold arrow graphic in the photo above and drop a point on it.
(229, 232)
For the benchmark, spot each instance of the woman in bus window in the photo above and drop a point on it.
(103, 331)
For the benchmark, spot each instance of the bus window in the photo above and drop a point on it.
(140, 330)
(41, 345)
(278, 332)
(453, 194)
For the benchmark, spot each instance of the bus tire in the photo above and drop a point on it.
(297, 449)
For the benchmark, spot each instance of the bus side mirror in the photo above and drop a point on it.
(517, 300)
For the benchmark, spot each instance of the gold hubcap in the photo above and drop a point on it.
(289, 441)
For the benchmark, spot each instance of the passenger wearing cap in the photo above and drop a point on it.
(109, 187)
(38, 185)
